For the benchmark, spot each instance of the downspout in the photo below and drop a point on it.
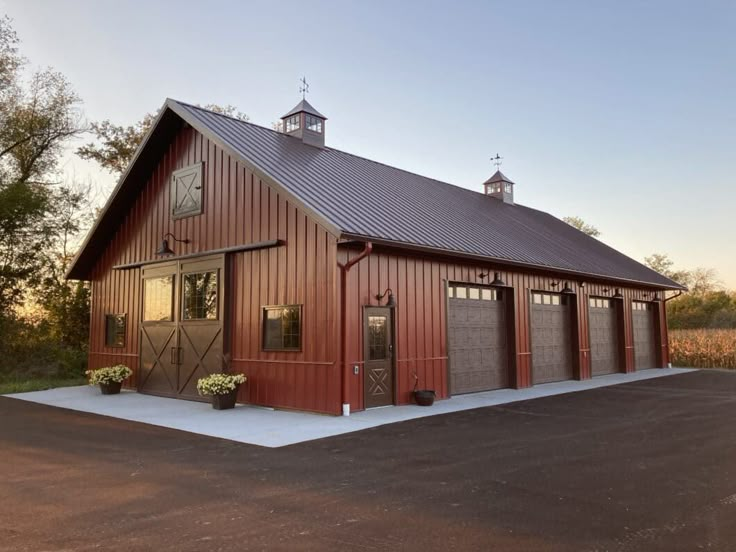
(679, 292)
(344, 268)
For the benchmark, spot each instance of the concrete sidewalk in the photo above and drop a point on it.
(278, 428)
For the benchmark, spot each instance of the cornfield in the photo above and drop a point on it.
(703, 348)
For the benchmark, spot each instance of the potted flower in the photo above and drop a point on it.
(423, 397)
(110, 378)
(222, 387)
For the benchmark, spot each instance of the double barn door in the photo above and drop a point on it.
(181, 326)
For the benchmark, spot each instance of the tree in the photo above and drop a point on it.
(37, 120)
(581, 225)
(116, 144)
(661, 262)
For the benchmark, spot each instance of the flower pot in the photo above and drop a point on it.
(112, 388)
(424, 397)
(225, 402)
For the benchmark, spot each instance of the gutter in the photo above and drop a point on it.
(679, 292)
(344, 269)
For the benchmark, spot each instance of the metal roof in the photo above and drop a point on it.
(498, 176)
(363, 199)
(306, 107)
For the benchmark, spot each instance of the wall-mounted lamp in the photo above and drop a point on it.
(605, 290)
(391, 299)
(497, 281)
(582, 284)
(554, 283)
(567, 289)
(618, 294)
(164, 248)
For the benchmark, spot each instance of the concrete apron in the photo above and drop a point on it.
(277, 428)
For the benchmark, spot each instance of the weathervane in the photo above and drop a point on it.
(303, 87)
(497, 161)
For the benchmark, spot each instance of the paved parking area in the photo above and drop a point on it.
(278, 428)
(647, 465)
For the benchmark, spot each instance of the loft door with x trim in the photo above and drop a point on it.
(182, 326)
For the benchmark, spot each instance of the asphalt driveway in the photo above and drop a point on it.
(648, 465)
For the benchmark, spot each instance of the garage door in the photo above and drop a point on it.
(604, 344)
(551, 344)
(477, 339)
(645, 351)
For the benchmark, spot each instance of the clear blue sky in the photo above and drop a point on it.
(623, 113)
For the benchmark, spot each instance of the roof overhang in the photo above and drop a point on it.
(508, 263)
(169, 120)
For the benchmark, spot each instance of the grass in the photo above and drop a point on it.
(704, 348)
(24, 384)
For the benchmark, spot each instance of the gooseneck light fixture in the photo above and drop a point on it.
(497, 281)
(391, 299)
(567, 289)
(618, 294)
(164, 248)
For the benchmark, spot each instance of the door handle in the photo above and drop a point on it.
(172, 360)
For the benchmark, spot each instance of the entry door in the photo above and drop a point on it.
(200, 323)
(159, 331)
(378, 368)
(181, 326)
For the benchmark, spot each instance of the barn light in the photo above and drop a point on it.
(391, 299)
(497, 281)
(164, 248)
(618, 294)
(567, 289)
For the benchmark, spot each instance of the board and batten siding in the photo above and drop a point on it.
(419, 281)
(238, 208)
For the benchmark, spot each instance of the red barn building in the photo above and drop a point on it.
(335, 282)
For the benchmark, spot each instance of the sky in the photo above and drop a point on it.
(620, 112)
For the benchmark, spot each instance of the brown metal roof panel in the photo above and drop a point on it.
(367, 198)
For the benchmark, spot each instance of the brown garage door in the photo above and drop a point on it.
(645, 351)
(477, 339)
(551, 344)
(604, 344)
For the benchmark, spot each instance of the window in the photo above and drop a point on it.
(314, 123)
(639, 305)
(548, 299)
(600, 303)
(495, 188)
(470, 292)
(158, 295)
(377, 337)
(507, 188)
(186, 191)
(200, 296)
(292, 123)
(115, 330)
(282, 328)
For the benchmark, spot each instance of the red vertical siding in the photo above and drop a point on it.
(239, 208)
(419, 284)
